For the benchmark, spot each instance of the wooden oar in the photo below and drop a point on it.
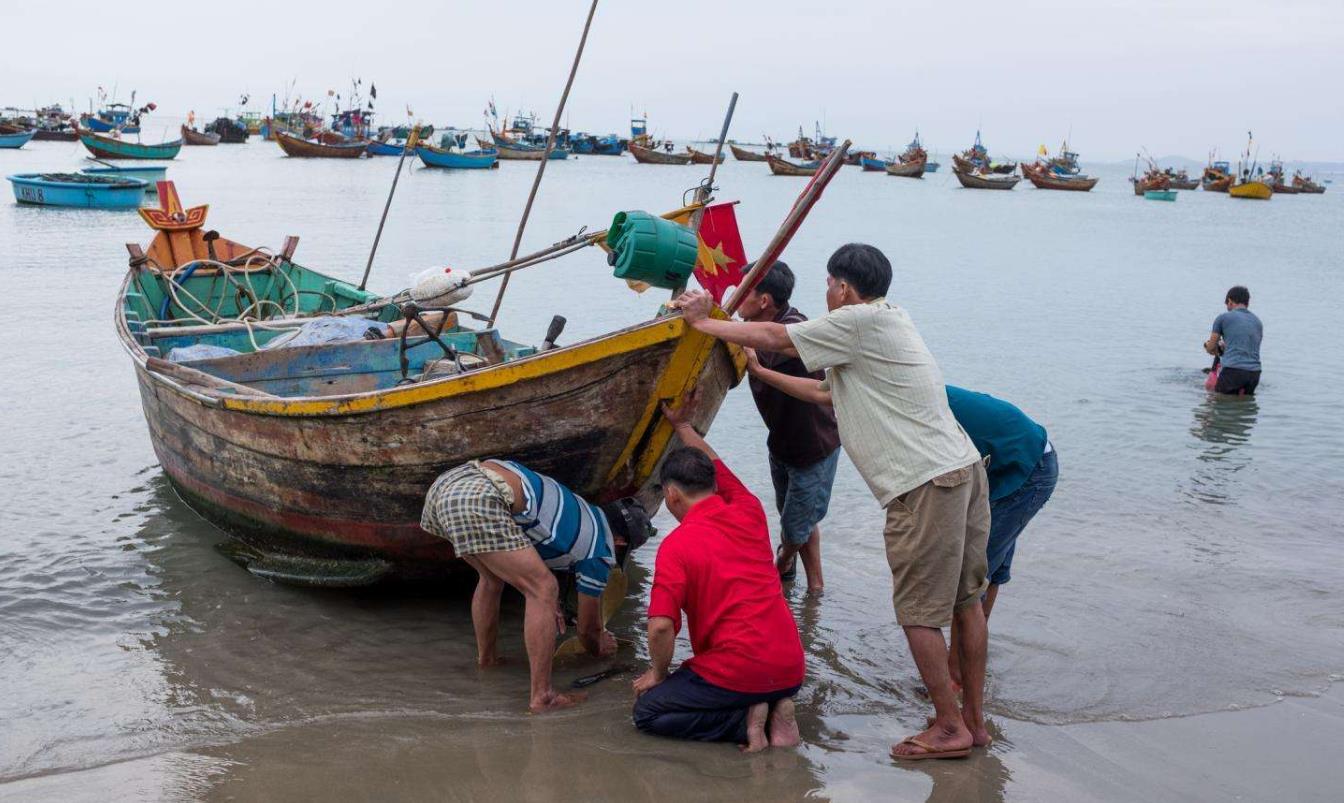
(613, 596)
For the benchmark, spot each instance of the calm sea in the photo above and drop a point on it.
(1189, 561)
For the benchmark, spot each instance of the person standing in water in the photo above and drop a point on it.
(1236, 342)
(803, 444)
(896, 426)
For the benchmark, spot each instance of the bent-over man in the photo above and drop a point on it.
(514, 526)
(717, 568)
(1022, 468)
(1236, 342)
(803, 444)
(895, 425)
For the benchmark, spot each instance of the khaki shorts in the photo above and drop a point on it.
(935, 537)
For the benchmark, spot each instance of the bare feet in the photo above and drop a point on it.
(979, 734)
(487, 661)
(937, 740)
(783, 728)
(553, 701)
(756, 717)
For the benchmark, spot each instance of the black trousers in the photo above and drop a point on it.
(1236, 381)
(686, 706)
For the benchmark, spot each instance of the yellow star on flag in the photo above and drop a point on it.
(711, 259)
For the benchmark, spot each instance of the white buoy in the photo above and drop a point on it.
(440, 287)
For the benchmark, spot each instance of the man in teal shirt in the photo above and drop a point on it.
(1023, 469)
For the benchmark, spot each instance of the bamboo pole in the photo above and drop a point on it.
(545, 157)
(410, 143)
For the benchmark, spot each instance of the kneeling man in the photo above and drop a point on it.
(718, 568)
(515, 526)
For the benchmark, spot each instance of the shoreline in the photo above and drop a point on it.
(1283, 750)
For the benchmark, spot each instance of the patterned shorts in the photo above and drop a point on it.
(466, 507)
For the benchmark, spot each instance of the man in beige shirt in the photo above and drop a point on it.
(895, 424)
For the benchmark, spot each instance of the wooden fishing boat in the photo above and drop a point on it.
(110, 148)
(855, 158)
(308, 149)
(744, 155)
(318, 457)
(702, 158)
(1043, 177)
(380, 148)
(1153, 179)
(1306, 185)
(191, 136)
(77, 190)
(911, 169)
(150, 174)
(459, 160)
(873, 165)
(783, 167)
(1217, 177)
(16, 139)
(115, 117)
(527, 153)
(229, 130)
(56, 135)
(1160, 195)
(1253, 189)
(1278, 182)
(985, 181)
(1181, 180)
(931, 167)
(655, 156)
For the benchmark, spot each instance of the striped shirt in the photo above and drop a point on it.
(888, 393)
(569, 533)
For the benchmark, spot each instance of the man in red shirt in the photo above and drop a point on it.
(717, 567)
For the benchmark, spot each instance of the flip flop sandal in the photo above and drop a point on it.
(929, 751)
(792, 573)
(929, 721)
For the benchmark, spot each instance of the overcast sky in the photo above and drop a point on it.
(1176, 76)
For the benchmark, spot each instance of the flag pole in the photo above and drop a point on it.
(545, 157)
(410, 143)
(704, 192)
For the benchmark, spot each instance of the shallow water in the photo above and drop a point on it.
(1188, 562)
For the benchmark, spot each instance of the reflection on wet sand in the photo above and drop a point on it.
(377, 692)
(1223, 424)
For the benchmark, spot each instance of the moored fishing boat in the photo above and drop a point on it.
(460, 160)
(1254, 189)
(16, 139)
(121, 117)
(381, 148)
(986, 180)
(1278, 182)
(931, 167)
(783, 167)
(1181, 180)
(229, 130)
(657, 156)
(1217, 176)
(1159, 195)
(975, 161)
(191, 136)
(702, 158)
(77, 190)
(1306, 185)
(1250, 183)
(309, 149)
(743, 155)
(515, 151)
(111, 148)
(150, 174)
(318, 457)
(873, 164)
(1044, 177)
(911, 169)
(596, 145)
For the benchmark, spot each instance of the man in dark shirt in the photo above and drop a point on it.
(804, 443)
(1236, 342)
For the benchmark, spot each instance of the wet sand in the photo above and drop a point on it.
(1284, 751)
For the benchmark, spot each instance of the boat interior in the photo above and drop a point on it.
(231, 322)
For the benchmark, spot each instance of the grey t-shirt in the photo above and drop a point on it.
(1241, 331)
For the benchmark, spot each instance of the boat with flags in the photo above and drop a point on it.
(1250, 182)
(1217, 176)
(975, 160)
(308, 416)
(909, 164)
(113, 116)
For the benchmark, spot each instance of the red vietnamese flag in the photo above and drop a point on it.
(722, 260)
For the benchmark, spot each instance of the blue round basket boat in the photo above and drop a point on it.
(78, 190)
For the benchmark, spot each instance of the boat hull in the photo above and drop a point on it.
(103, 127)
(1255, 190)
(377, 148)
(1043, 179)
(914, 169)
(108, 148)
(303, 149)
(652, 156)
(344, 478)
(191, 136)
(150, 174)
(783, 167)
(457, 160)
(1160, 195)
(995, 182)
(873, 165)
(31, 189)
(12, 141)
(744, 155)
(48, 135)
(702, 158)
